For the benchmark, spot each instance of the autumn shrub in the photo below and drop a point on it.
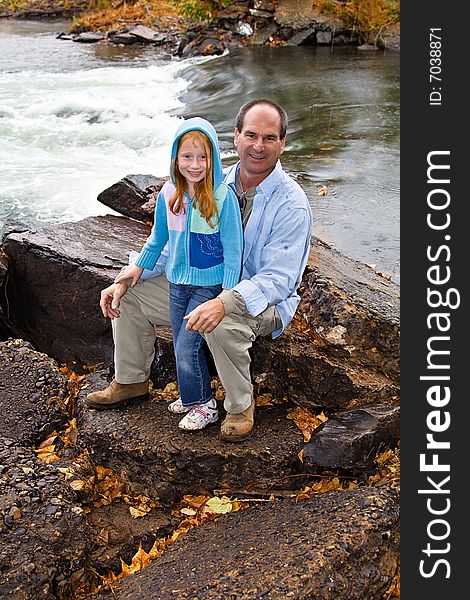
(144, 12)
(200, 10)
(365, 16)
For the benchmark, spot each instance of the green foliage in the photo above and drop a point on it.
(200, 10)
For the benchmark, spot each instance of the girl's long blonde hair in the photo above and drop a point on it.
(204, 191)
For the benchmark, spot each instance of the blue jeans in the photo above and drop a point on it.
(191, 365)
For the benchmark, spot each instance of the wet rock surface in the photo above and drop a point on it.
(144, 445)
(134, 196)
(42, 532)
(350, 440)
(341, 350)
(330, 547)
(57, 274)
(340, 354)
(55, 536)
(31, 385)
(43, 529)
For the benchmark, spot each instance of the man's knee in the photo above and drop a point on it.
(231, 331)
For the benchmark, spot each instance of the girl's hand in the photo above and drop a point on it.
(131, 272)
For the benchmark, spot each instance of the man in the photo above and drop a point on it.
(277, 222)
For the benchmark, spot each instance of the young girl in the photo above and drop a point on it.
(200, 218)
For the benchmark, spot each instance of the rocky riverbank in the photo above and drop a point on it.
(308, 507)
(246, 22)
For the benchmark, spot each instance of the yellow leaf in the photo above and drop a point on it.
(157, 549)
(102, 472)
(189, 512)
(67, 472)
(219, 505)
(138, 512)
(323, 191)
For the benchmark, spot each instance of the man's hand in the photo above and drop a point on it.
(110, 299)
(130, 272)
(205, 317)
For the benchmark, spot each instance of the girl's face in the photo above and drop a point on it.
(193, 162)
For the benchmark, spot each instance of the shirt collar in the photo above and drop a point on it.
(267, 185)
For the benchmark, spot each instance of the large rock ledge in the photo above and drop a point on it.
(54, 541)
(312, 549)
(340, 355)
(340, 351)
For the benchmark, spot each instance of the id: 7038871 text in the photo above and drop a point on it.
(435, 66)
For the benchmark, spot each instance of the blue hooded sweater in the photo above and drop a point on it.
(198, 254)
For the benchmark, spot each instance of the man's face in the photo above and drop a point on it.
(258, 143)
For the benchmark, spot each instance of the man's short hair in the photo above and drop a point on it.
(246, 107)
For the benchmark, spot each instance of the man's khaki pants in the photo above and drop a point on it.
(147, 304)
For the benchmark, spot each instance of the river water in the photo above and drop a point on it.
(76, 118)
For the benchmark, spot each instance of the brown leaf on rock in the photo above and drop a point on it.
(306, 421)
(264, 400)
(388, 472)
(139, 561)
(194, 502)
(47, 453)
(325, 484)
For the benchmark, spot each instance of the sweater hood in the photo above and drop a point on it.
(203, 125)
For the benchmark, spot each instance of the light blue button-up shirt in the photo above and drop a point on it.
(277, 245)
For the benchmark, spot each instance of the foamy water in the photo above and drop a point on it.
(67, 136)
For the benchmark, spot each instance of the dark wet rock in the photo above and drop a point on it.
(88, 37)
(57, 274)
(305, 36)
(133, 196)
(32, 393)
(144, 445)
(143, 33)
(43, 530)
(283, 549)
(13, 225)
(324, 38)
(202, 43)
(350, 440)
(262, 36)
(122, 37)
(3, 268)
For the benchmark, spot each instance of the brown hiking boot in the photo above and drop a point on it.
(118, 394)
(238, 427)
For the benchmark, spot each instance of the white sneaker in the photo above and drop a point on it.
(178, 407)
(198, 417)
